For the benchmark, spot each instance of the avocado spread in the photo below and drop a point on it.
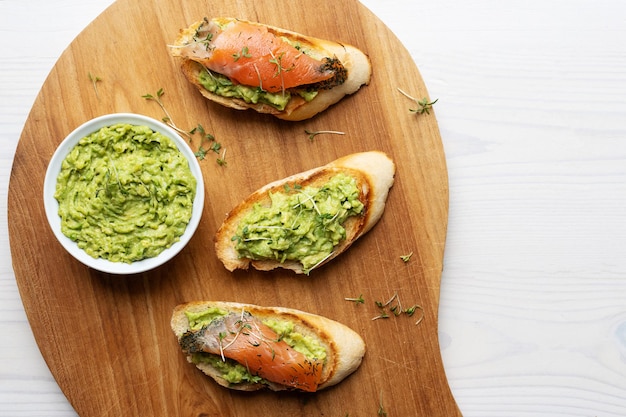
(125, 193)
(301, 224)
(224, 87)
(236, 373)
(204, 318)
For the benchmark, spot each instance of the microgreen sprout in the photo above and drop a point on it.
(222, 336)
(382, 315)
(394, 306)
(205, 138)
(312, 134)
(222, 159)
(242, 327)
(94, 81)
(406, 258)
(243, 54)
(295, 187)
(307, 271)
(359, 300)
(423, 106)
(200, 153)
(167, 119)
(258, 74)
(206, 41)
(411, 311)
(278, 61)
(381, 409)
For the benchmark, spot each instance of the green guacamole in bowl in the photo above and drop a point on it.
(123, 193)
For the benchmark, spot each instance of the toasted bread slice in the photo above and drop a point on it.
(356, 63)
(344, 348)
(374, 174)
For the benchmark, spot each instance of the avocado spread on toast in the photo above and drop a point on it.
(302, 224)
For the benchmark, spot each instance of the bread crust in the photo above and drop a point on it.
(344, 347)
(374, 173)
(355, 61)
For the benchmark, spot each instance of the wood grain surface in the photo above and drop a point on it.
(106, 338)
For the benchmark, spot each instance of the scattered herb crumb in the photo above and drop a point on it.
(312, 134)
(423, 106)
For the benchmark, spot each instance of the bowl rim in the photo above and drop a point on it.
(51, 205)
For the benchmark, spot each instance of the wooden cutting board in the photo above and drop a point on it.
(106, 338)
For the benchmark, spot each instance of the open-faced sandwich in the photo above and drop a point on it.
(249, 65)
(248, 347)
(303, 221)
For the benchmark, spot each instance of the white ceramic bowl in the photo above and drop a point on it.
(52, 206)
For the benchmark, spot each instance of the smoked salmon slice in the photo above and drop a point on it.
(254, 56)
(248, 341)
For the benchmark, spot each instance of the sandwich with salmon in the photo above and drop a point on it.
(249, 347)
(307, 219)
(249, 65)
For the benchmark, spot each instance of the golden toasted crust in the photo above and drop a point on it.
(344, 347)
(355, 61)
(374, 173)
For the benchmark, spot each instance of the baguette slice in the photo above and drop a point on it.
(374, 174)
(344, 347)
(355, 62)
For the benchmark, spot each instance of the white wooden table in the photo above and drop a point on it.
(532, 111)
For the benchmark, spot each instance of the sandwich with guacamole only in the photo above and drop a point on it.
(307, 219)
